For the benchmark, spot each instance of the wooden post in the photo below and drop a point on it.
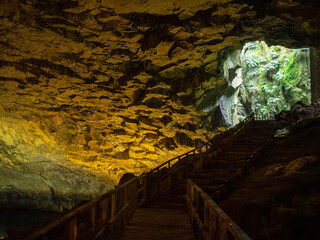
(158, 182)
(211, 223)
(125, 194)
(120, 199)
(73, 229)
(201, 160)
(178, 174)
(169, 176)
(222, 229)
(105, 210)
(144, 195)
(206, 215)
(92, 218)
(113, 204)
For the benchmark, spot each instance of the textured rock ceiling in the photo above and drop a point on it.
(100, 88)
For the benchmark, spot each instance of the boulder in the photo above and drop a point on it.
(172, 73)
(50, 182)
(164, 48)
(298, 112)
(111, 23)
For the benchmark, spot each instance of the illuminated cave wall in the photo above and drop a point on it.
(99, 88)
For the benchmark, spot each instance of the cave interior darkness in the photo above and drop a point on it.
(93, 89)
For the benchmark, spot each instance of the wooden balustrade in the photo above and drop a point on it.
(106, 216)
(263, 117)
(174, 170)
(101, 218)
(208, 219)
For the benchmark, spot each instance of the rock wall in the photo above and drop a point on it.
(114, 86)
(315, 74)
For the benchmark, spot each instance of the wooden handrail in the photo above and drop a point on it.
(103, 216)
(209, 219)
(208, 143)
(264, 117)
(161, 178)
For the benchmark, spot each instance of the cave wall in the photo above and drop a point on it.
(315, 74)
(100, 88)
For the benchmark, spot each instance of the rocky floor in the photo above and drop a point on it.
(280, 197)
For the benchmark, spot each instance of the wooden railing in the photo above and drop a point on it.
(101, 218)
(106, 216)
(160, 179)
(263, 117)
(210, 221)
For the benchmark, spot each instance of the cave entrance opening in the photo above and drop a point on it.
(265, 80)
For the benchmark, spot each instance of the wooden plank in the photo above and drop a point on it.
(159, 224)
(220, 225)
(73, 229)
(120, 196)
(104, 206)
(113, 205)
(93, 218)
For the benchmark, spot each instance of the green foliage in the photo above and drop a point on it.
(252, 62)
(280, 79)
(290, 74)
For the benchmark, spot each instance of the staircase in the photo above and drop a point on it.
(153, 206)
(223, 165)
(166, 217)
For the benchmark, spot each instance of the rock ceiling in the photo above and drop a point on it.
(100, 88)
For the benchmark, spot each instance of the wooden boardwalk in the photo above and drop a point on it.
(166, 218)
(173, 199)
(221, 167)
(159, 224)
(163, 219)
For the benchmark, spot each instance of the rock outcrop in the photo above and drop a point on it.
(114, 86)
(278, 198)
(298, 112)
(34, 174)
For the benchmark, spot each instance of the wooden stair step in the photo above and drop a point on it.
(209, 189)
(229, 161)
(211, 181)
(159, 224)
(209, 175)
(252, 139)
(216, 171)
(229, 157)
(224, 164)
(235, 153)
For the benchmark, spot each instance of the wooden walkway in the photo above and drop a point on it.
(163, 219)
(159, 224)
(221, 167)
(166, 218)
(174, 200)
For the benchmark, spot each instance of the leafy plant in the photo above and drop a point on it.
(278, 75)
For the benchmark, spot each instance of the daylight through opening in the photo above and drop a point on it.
(264, 79)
